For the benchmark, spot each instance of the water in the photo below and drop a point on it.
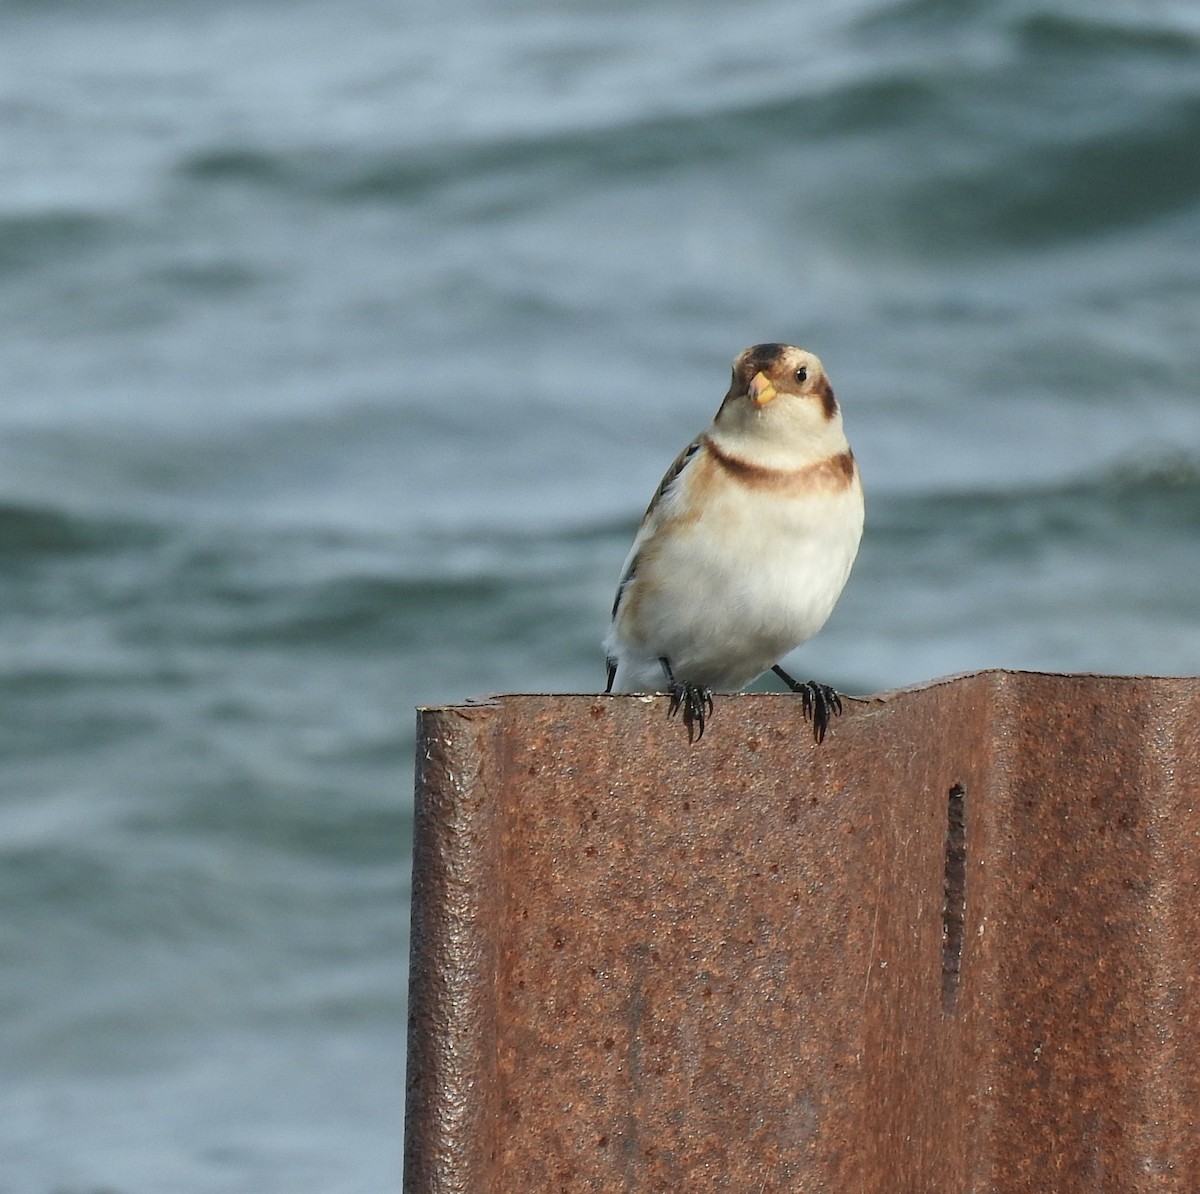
(343, 346)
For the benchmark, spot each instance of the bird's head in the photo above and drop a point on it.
(784, 377)
(780, 393)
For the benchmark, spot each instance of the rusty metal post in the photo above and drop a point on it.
(955, 948)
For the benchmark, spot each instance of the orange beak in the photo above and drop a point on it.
(761, 389)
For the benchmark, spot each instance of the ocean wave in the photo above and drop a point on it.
(1078, 31)
(1051, 26)
(571, 156)
(34, 531)
(30, 238)
(1063, 186)
(1159, 496)
(941, 157)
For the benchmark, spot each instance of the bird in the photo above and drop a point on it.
(745, 546)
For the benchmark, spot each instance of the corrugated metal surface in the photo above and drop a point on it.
(953, 948)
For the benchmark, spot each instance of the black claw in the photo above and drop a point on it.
(696, 701)
(697, 705)
(820, 702)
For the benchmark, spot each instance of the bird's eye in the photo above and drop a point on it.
(802, 374)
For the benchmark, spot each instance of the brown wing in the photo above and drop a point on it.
(672, 475)
(677, 466)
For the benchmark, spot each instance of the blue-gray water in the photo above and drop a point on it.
(343, 345)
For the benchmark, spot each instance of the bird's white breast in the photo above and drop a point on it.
(731, 577)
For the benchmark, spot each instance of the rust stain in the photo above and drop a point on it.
(951, 949)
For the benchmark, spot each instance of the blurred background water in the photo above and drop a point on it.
(342, 348)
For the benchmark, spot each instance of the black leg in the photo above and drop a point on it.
(820, 702)
(694, 699)
(611, 665)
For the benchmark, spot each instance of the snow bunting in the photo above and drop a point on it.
(745, 547)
